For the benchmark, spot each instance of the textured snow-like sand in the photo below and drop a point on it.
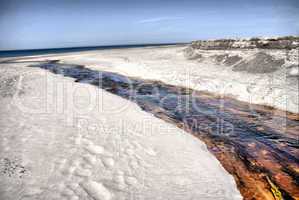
(76, 141)
(168, 64)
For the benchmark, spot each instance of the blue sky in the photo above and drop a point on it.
(31, 24)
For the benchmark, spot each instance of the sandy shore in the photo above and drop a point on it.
(66, 140)
(204, 71)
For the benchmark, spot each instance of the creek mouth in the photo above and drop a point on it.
(258, 145)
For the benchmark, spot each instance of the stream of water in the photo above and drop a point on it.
(258, 145)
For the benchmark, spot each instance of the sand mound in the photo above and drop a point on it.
(260, 64)
(231, 60)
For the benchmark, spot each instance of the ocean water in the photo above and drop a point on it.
(31, 52)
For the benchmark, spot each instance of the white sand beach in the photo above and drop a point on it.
(66, 140)
(277, 88)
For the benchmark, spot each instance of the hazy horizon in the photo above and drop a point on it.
(62, 24)
(99, 46)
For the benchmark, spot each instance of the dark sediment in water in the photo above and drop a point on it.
(258, 145)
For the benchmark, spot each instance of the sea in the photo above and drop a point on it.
(32, 52)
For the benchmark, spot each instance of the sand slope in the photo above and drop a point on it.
(66, 140)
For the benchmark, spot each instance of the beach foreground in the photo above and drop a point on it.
(97, 145)
(66, 140)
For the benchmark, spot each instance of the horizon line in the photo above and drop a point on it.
(97, 46)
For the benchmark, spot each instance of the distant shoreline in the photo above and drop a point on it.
(28, 52)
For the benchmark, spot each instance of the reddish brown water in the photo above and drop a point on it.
(258, 145)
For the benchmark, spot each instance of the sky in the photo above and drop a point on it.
(34, 24)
